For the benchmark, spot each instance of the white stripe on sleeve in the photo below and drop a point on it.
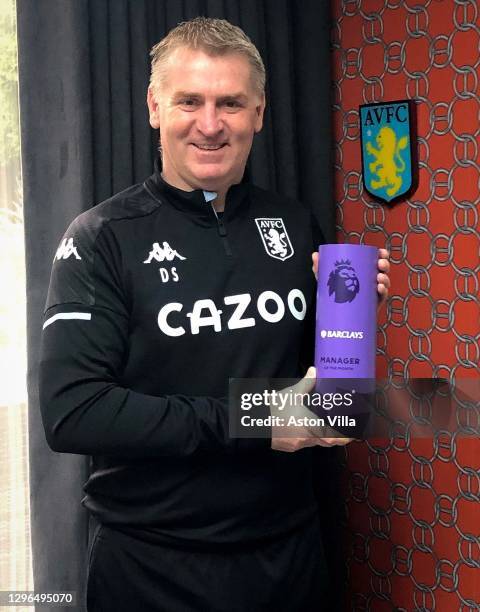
(68, 315)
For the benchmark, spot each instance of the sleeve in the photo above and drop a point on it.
(84, 407)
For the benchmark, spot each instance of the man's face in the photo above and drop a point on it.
(208, 112)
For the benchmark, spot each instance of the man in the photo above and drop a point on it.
(157, 297)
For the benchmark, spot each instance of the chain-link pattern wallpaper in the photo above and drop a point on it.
(413, 506)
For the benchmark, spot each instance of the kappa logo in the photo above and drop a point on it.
(163, 253)
(66, 249)
(275, 238)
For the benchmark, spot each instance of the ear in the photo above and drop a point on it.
(259, 110)
(153, 109)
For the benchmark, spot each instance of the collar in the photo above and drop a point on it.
(197, 203)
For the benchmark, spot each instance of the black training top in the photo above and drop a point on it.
(154, 302)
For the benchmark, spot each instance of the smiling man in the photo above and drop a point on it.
(176, 285)
(208, 108)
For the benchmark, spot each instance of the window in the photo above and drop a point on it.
(15, 553)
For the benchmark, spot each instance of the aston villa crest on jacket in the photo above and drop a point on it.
(387, 141)
(275, 238)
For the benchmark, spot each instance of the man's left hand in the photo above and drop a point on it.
(383, 280)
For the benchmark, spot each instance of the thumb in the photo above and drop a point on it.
(308, 381)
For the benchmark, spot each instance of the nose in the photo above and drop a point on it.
(209, 121)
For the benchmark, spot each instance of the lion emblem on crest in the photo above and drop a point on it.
(276, 242)
(343, 282)
(388, 162)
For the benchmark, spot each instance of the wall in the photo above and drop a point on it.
(413, 504)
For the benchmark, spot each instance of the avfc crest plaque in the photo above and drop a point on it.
(388, 151)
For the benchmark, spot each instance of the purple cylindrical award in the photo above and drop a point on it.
(346, 324)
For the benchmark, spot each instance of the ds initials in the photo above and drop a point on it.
(165, 275)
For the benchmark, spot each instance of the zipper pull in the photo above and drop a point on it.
(222, 230)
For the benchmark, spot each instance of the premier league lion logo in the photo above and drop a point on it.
(343, 282)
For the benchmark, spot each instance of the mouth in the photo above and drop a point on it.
(209, 147)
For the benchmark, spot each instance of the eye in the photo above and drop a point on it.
(188, 103)
(232, 105)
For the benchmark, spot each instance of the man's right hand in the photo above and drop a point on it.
(292, 438)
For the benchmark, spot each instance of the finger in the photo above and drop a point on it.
(383, 254)
(311, 441)
(315, 264)
(382, 291)
(307, 383)
(291, 445)
(383, 279)
(384, 265)
(334, 441)
(326, 442)
(343, 441)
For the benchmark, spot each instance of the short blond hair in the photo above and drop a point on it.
(215, 37)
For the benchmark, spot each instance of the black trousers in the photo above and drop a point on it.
(126, 574)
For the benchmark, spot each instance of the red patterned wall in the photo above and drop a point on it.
(413, 505)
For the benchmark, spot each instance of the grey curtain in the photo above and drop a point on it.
(84, 69)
